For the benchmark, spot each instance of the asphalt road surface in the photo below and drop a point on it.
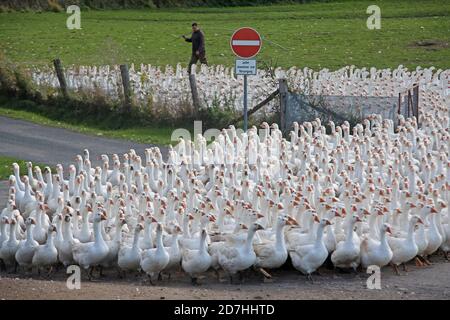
(49, 145)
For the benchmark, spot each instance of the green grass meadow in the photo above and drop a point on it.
(316, 35)
(6, 166)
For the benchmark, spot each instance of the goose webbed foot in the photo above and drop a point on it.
(317, 273)
(265, 273)
(2, 265)
(241, 277)
(418, 262)
(101, 274)
(216, 272)
(90, 273)
(395, 267)
(427, 262)
(194, 281)
(149, 278)
(50, 271)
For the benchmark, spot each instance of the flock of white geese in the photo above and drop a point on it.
(356, 197)
(219, 86)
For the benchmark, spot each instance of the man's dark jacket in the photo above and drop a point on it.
(198, 42)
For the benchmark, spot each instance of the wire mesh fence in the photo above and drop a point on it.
(354, 109)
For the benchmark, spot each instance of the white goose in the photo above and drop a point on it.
(273, 254)
(234, 259)
(65, 252)
(404, 249)
(174, 251)
(114, 244)
(197, 261)
(153, 261)
(376, 252)
(10, 246)
(24, 254)
(308, 258)
(434, 238)
(46, 254)
(347, 251)
(90, 254)
(129, 257)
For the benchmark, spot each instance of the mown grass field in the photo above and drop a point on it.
(317, 35)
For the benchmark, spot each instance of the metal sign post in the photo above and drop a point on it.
(245, 104)
(245, 43)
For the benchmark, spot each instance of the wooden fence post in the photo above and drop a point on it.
(283, 89)
(61, 78)
(126, 87)
(416, 103)
(194, 91)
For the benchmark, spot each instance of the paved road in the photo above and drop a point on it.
(32, 142)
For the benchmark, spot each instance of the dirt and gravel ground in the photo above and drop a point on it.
(432, 282)
(29, 141)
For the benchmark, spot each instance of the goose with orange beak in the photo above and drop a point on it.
(46, 254)
(404, 249)
(308, 258)
(234, 259)
(154, 260)
(376, 252)
(91, 254)
(347, 253)
(273, 254)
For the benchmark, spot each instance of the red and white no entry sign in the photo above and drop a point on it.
(245, 42)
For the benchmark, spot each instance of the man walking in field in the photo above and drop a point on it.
(198, 46)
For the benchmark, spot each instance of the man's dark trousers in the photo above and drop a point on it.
(195, 58)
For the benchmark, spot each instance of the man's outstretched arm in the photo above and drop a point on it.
(187, 39)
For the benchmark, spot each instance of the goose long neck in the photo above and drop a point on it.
(249, 241)
(98, 233)
(118, 234)
(27, 189)
(174, 243)
(148, 231)
(186, 227)
(383, 239)
(2, 229)
(202, 247)
(159, 242)
(136, 239)
(349, 237)
(12, 232)
(65, 230)
(411, 232)
(50, 238)
(319, 235)
(280, 243)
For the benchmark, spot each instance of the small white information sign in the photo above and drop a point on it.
(245, 67)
